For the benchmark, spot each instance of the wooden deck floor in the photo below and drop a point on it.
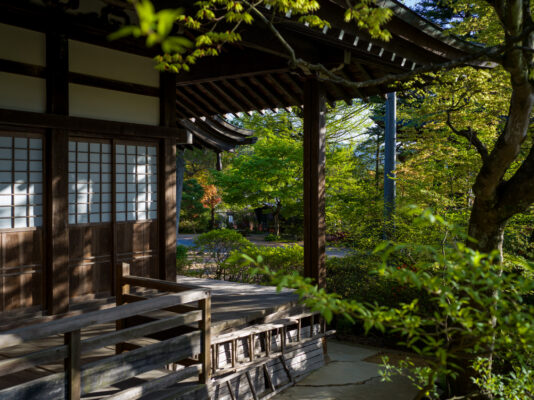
(234, 306)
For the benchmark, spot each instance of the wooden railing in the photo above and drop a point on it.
(78, 377)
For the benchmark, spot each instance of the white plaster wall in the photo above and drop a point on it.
(22, 45)
(111, 105)
(23, 93)
(112, 64)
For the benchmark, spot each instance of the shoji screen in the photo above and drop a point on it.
(21, 182)
(89, 182)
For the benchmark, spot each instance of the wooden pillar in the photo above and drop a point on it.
(390, 151)
(56, 181)
(314, 181)
(167, 181)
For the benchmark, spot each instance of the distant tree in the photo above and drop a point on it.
(209, 200)
(192, 207)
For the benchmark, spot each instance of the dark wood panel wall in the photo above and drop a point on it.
(61, 263)
(21, 269)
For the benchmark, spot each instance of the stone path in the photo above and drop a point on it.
(186, 239)
(346, 376)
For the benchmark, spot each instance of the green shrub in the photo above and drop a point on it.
(182, 260)
(218, 244)
(283, 258)
(480, 327)
(271, 237)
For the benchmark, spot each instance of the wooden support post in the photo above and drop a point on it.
(167, 181)
(251, 385)
(234, 353)
(56, 178)
(251, 347)
(73, 365)
(121, 290)
(314, 181)
(390, 149)
(205, 327)
(167, 210)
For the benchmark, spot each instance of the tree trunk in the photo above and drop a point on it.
(276, 216)
(212, 218)
(486, 227)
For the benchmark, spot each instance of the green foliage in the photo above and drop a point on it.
(182, 260)
(284, 259)
(193, 215)
(217, 22)
(218, 244)
(271, 237)
(477, 313)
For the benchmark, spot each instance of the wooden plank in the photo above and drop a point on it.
(108, 371)
(112, 84)
(21, 68)
(95, 126)
(144, 389)
(24, 334)
(56, 181)
(133, 332)
(73, 365)
(53, 385)
(205, 328)
(268, 377)
(314, 182)
(16, 364)
(180, 308)
(251, 384)
(149, 283)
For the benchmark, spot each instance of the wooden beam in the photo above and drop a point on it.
(233, 63)
(259, 102)
(167, 181)
(236, 107)
(205, 104)
(314, 181)
(56, 279)
(289, 97)
(94, 126)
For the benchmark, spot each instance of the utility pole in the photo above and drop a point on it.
(390, 185)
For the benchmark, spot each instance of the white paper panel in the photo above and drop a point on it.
(111, 105)
(22, 45)
(23, 93)
(112, 64)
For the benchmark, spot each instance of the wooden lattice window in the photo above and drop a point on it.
(89, 182)
(21, 182)
(136, 182)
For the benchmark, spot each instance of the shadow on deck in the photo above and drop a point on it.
(153, 345)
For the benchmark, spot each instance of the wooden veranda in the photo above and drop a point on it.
(89, 132)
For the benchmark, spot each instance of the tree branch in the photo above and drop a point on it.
(471, 136)
(488, 54)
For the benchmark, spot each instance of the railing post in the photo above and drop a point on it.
(121, 289)
(72, 365)
(205, 328)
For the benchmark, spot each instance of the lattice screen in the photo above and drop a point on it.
(136, 182)
(89, 182)
(21, 182)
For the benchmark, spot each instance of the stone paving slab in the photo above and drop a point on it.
(347, 377)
